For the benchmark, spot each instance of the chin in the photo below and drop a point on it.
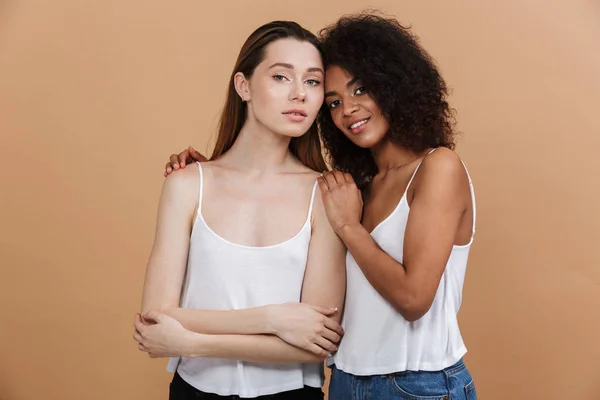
(364, 141)
(294, 132)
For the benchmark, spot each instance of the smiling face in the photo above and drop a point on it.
(353, 110)
(285, 91)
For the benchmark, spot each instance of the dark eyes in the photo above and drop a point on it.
(357, 92)
(334, 104)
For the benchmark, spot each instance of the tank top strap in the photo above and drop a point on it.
(416, 169)
(200, 187)
(472, 199)
(312, 200)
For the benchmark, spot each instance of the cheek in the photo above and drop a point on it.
(266, 101)
(317, 103)
(336, 117)
(383, 125)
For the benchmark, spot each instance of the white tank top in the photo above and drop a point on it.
(377, 339)
(222, 275)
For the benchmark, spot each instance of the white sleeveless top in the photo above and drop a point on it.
(377, 339)
(222, 275)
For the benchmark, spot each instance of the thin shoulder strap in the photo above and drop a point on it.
(312, 199)
(200, 187)
(472, 198)
(416, 169)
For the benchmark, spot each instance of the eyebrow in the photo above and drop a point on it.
(290, 66)
(350, 83)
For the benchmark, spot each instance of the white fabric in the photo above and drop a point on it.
(226, 276)
(377, 339)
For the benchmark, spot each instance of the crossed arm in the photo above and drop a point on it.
(252, 334)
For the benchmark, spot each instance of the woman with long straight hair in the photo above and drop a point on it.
(245, 282)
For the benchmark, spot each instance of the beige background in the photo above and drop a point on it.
(94, 95)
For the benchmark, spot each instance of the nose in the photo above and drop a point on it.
(349, 107)
(298, 92)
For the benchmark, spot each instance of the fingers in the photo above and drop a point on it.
(323, 310)
(329, 180)
(323, 186)
(137, 336)
(348, 178)
(334, 326)
(339, 176)
(168, 168)
(195, 155)
(331, 336)
(325, 344)
(174, 161)
(335, 178)
(319, 351)
(138, 324)
(153, 316)
(183, 157)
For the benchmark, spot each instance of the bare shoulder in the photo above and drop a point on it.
(443, 164)
(305, 176)
(303, 171)
(183, 183)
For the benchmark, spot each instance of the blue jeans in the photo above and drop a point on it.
(452, 383)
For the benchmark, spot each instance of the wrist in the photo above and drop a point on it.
(195, 345)
(345, 230)
(269, 320)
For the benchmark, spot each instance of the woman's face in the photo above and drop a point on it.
(353, 110)
(285, 91)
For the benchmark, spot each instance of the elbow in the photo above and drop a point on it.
(162, 309)
(413, 315)
(412, 308)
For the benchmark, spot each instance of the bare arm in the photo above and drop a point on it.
(325, 277)
(324, 284)
(434, 218)
(164, 280)
(251, 348)
(166, 267)
(166, 271)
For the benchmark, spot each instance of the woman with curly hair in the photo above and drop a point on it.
(403, 203)
(388, 127)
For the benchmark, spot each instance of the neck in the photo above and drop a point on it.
(388, 155)
(259, 149)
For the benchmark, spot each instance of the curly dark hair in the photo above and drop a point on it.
(401, 77)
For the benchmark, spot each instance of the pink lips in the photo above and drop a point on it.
(360, 128)
(295, 115)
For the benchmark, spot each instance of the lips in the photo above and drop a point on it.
(297, 112)
(357, 123)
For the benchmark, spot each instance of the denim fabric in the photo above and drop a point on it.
(452, 383)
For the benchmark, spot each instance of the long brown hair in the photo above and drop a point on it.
(307, 148)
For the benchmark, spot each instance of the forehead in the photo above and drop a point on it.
(302, 55)
(336, 78)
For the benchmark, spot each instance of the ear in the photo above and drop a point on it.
(242, 86)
